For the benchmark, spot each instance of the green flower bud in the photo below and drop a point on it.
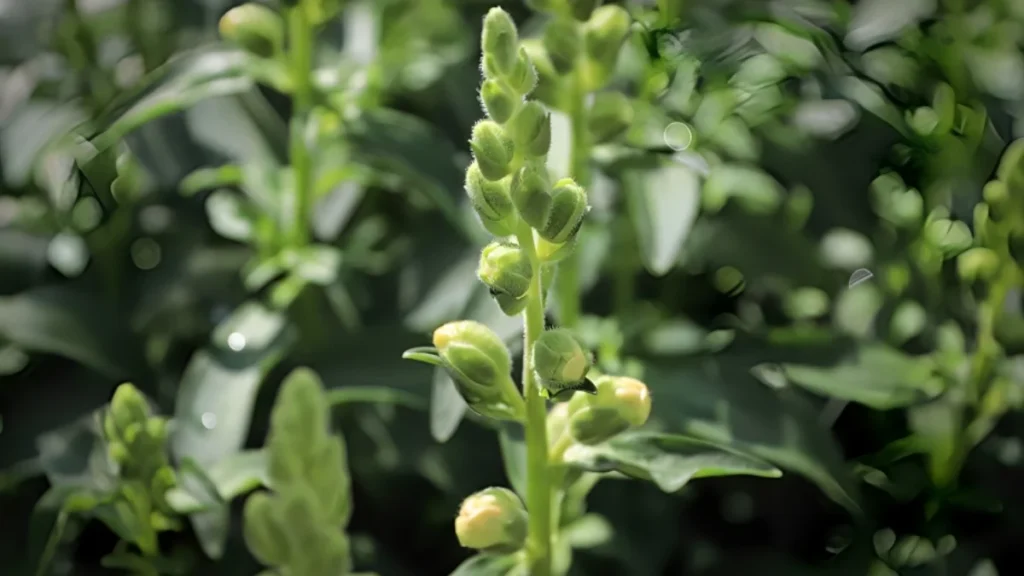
(530, 192)
(255, 28)
(491, 202)
(1011, 166)
(610, 116)
(561, 362)
(492, 520)
(523, 78)
(997, 196)
(621, 403)
(568, 207)
(492, 149)
(118, 452)
(498, 102)
(563, 41)
(499, 41)
(507, 272)
(977, 264)
(530, 129)
(605, 32)
(127, 407)
(582, 9)
(479, 364)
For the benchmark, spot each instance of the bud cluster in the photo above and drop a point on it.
(998, 221)
(620, 403)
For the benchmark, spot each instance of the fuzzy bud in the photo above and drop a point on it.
(610, 116)
(531, 129)
(621, 403)
(530, 192)
(507, 272)
(255, 28)
(492, 520)
(523, 78)
(497, 101)
(563, 41)
(565, 216)
(977, 264)
(492, 149)
(605, 32)
(499, 41)
(491, 201)
(479, 364)
(561, 363)
(582, 9)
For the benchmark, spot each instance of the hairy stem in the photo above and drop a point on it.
(538, 491)
(567, 283)
(300, 38)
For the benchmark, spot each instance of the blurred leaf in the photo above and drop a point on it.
(227, 215)
(513, 456)
(67, 321)
(413, 149)
(590, 531)
(877, 21)
(75, 456)
(486, 565)
(447, 407)
(26, 134)
(374, 394)
(717, 399)
(211, 518)
(670, 461)
(876, 375)
(663, 203)
(237, 474)
(219, 386)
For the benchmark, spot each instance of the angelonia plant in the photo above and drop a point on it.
(535, 221)
(298, 528)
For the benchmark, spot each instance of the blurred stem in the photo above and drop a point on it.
(300, 38)
(538, 491)
(567, 283)
(624, 287)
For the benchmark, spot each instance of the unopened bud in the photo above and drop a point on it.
(492, 520)
(582, 9)
(523, 78)
(255, 28)
(479, 365)
(605, 32)
(610, 116)
(561, 363)
(497, 101)
(531, 129)
(507, 272)
(568, 207)
(492, 149)
(491, 201)
(977, 264)
(127, 407)
(621, 403)
(1011, 167)
(530, 192)
(563, 41)
(500, 41)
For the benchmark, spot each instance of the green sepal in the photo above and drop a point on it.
(492, 149)
(425, 354)
(499, 40)
(523, 78)
(531, 196)
(530, 129)
(498, 103)
(567, 210)
(263, 531)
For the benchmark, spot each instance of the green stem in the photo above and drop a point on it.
(538, 491)
(567, 283)
(300, 37)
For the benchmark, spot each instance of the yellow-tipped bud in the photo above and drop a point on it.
(479, 365)
(492, 520)
(255, 28)
(492, 149)
(561, 362)
(621, 403)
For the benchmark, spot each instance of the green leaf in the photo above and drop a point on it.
(670, 461)
(237, 474)
(219, 386)
(663, 204)
(447, 408)
(374, 395)
(209, 178)
(27, 133)
(212, 520)
(876, 375)
(589, 531)
(67, 321)
(486, 565)
(877, 21)
(513, 456)
(75, 456)
(411, 148)
(715, 398)
(183, 81)
(229, 216)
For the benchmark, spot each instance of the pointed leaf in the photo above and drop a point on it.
(663, 203)
(513, 456)
(447, 408)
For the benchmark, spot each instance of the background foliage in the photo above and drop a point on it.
(142, 215)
